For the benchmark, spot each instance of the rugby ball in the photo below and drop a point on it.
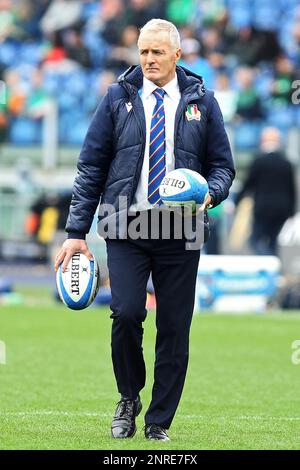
(78, 285)
(183, 187)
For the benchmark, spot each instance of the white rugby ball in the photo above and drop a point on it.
(79, 284)
(183, 187)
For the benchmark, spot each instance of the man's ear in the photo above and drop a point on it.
(177, 54)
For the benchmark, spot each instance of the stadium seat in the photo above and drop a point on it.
(52, 82)
(77, 132)
(25, 131)
(240, 13)
(31, 53)
(89, 10)
(9, 53)
(263, 82)
(77, 82)
(67, 101)
(246, 135)
(281, 117)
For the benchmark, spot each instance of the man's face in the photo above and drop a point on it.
(158, 57)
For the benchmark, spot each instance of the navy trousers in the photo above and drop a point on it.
(174, 272)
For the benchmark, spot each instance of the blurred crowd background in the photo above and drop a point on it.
(71, 50)
(57, 58)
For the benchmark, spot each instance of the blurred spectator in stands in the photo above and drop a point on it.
(12, 100)
(37, 100)
(226, 97)
(212, 48)
(93, 35)
(247, 46)
(21, 18)
(192, 60)
(18, 19)
(271, 183)
(296, 37)
(281, 88)
(16, 92)
(121, 57)
(7, 20)
(139, 12)
(107, 78)
(249, 106)
(100, 85)
(56, 58)
(56, 51)
(28, 15)
(268, 46)
(3, 112)
(60, 15)
(242, 45)
(187, 32)
(113, 21)
(181, 12)
(75, 48)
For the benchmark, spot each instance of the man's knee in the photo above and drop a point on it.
(128, 314)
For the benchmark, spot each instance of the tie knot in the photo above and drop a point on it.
(159, 93)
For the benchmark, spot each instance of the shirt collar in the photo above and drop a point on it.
(171, 88)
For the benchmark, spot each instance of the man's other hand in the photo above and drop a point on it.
(205, 205)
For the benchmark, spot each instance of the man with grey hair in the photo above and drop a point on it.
(158, 117)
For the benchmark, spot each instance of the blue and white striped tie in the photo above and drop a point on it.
(157, 148)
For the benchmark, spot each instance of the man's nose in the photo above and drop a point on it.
(150, 58)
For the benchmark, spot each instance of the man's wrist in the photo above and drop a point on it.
(76, 235)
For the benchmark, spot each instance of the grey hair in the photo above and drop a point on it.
(157, 25)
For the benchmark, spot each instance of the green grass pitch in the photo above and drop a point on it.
(57, 388)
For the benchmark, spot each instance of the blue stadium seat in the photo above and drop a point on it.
(266, 14)
(266, 19)
(246, 135)
(67, 101)
(98, 48)
(77, 82)
(281, 117)
(52, 82)
(31, 53)
(73, 127)
(89, 10)
(297, 114)
(25, 131)
(240, 12)
(63, 125)
(77, 131)
(9, 53)
(263, 82)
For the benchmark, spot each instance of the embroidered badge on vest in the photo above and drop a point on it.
(192, 112)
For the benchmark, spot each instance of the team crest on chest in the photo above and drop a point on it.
(192, 112)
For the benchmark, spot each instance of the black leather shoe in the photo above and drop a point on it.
(153, 431)
(123, 423)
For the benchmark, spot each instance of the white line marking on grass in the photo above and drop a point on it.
(72, 414)
(243, 417)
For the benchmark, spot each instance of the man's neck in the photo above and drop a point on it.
(161, 84)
